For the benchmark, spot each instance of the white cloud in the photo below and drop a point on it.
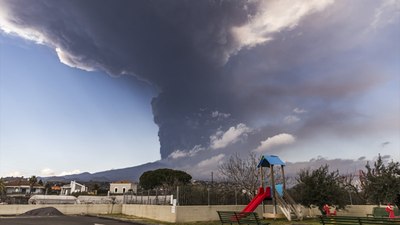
(231, 136)
(220, 115)
(280, 139)
(299, 111)
(178, 154)
(386, 13)
(273, 17)
(291, 119)
(14, 174)
(211, 162)
(181, 153)
(8, 26)
(64, 173)
(47, 172)
(72, 61)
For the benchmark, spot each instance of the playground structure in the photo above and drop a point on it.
(275, 192)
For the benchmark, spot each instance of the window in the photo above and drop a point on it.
(116, 190)
(123, 190)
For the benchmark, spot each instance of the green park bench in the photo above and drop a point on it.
(339, 220)
(348, 220)
(381, 212)
(227, 217)
(231, 217)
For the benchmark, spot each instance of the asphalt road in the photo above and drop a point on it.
(61, 220)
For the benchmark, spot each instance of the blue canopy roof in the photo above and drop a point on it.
(268, 160)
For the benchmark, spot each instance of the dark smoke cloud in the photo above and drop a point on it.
(215, 66)
(177, 46)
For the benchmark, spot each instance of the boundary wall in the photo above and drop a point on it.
(67, 209)
(180, 213)
(169, 213)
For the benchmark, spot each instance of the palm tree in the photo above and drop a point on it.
(32, 182)
(2, 187)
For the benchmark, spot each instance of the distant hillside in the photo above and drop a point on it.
(130, 173)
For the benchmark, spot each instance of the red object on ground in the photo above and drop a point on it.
(327, 210)
(261, 195)
(390, 210)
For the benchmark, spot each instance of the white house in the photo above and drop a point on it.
(22, 187)
(72, 188)
(121, 187)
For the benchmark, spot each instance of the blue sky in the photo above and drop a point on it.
(56, 119)
(86, 89)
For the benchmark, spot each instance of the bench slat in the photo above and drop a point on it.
(232, 217)
(359, 220)
(228, 217)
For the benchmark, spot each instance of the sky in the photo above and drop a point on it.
(87, 86)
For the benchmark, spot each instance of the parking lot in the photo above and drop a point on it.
(61, 220)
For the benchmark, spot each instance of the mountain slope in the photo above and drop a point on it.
(129, 173)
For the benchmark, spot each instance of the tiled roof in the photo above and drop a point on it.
(122, 182)
(17, 183)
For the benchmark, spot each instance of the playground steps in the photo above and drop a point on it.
(288, 206)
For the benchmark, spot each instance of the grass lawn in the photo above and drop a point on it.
(154, 222)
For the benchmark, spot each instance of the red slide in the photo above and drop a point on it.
(258, 199)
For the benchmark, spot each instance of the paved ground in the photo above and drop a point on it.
(61, 220)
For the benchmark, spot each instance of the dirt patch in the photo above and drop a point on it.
(46, 211)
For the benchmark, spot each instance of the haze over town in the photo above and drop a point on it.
(88, 86)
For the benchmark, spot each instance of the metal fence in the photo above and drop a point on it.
(193, 194)
(147, 198)
(211, 195)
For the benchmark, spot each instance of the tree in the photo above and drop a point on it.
(319, 187)
(150, 180)
(356, 195)
(166, 178)
(242, 172)
(32, 182)
(47, 187)
(2, 187)
(381, 183)
(96, 188)
(397, 200)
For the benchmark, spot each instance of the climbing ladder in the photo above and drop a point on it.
(288, 206)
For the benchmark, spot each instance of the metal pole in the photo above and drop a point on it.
(262, 177)
(165, 197)
(351, 200)
(273, 189)
(156, 196)
(262, 185)
(283, 178)
(209, 188)
(177, 195)
(208, 196)
(235, 196)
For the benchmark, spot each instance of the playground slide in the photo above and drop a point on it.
(258, 199)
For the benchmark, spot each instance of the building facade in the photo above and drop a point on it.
(73, 187)
(121, 187)
(22, 187)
